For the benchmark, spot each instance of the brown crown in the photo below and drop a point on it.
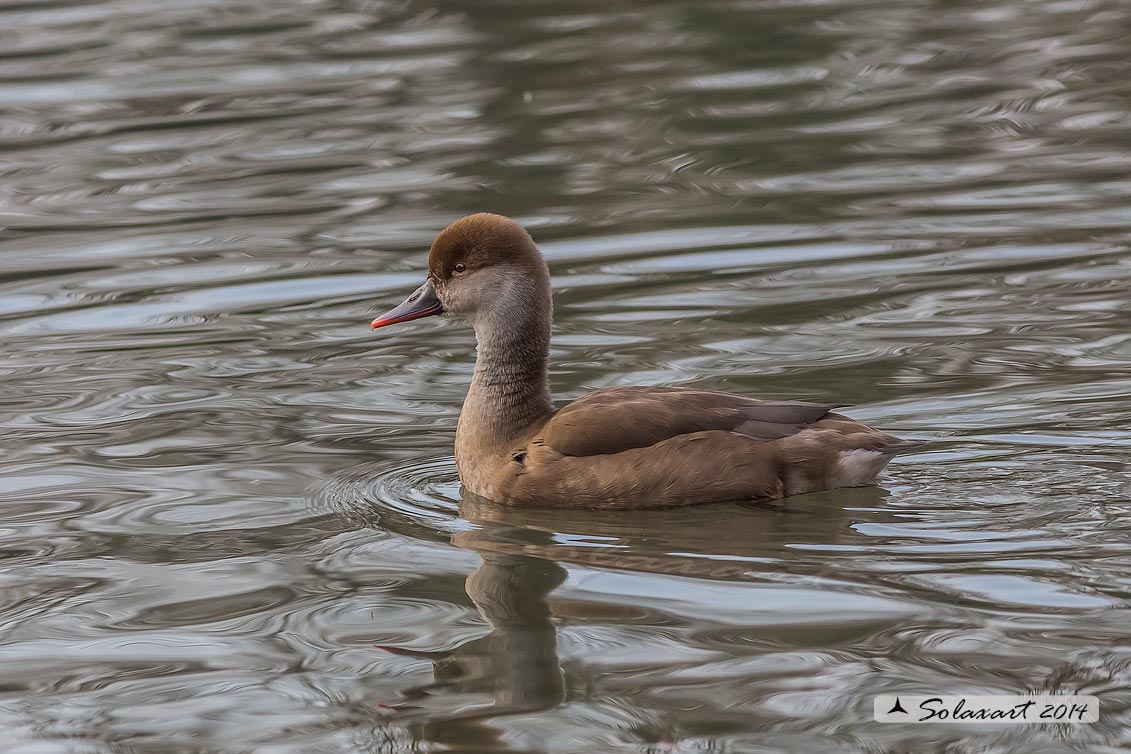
(480, 240)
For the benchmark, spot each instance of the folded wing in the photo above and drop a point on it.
(619, 419)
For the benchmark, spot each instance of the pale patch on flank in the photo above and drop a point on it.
(859, 467)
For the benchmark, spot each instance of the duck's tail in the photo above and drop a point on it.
(899, 445)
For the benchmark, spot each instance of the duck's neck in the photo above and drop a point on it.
(510, 389)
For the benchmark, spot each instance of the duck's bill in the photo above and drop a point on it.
(422, 303)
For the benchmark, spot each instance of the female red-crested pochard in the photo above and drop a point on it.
(622, 447)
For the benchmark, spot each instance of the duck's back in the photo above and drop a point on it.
(641, 447)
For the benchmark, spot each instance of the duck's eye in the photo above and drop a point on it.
(460, 267)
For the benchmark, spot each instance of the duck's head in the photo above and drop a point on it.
(480, 267)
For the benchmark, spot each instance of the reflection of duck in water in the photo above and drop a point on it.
(515, 668)
(732, 542)
(511, 670)
(618, 448)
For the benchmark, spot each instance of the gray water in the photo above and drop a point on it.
(231, 518)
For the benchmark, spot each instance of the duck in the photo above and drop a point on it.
(617, 448)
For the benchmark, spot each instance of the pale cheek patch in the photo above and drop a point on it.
(491, 292)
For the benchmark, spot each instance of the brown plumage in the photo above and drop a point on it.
(629, 447)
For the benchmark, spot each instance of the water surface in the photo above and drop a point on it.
(231, 519)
